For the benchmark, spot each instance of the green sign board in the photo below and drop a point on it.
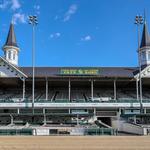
(79, 71)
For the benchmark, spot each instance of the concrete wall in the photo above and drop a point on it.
(123, 126)
(41, 131)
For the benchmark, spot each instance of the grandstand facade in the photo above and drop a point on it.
(73, 100)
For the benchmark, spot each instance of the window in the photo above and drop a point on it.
(9, 54)
(143, 56)
(148, 56)
(14, 55)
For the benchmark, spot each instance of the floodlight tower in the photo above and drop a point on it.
(138, 22)
(33, 21)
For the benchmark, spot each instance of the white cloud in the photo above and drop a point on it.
(72, 10)
(86, 38)
(55, 35)
(10, 4)
(19, 18)
(4, 4)
(15, 5)
(58, 34)
(37, 9)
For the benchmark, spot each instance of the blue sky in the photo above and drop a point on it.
(75, 32)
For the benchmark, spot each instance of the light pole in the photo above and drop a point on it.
(33, 21)
(138, 22)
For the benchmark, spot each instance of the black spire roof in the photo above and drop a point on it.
(11, 38)
(145, 37)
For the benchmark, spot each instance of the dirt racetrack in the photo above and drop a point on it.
(74, 143)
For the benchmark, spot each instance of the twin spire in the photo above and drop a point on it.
(11, 49)
(11, 38)
(145, 41)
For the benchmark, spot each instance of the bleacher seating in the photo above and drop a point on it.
(77, 95)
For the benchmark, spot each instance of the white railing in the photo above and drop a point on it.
(73, 105)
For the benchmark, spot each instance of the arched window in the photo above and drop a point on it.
(9, 54)
(14, 54)
(143, 56)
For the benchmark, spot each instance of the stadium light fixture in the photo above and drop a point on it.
(33, 21)
(138, 22)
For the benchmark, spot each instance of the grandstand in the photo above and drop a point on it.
(73, 100)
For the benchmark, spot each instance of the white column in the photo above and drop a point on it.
(11, 55)
(12, 119)
(24, 88)
(134, 118)
(115, 93)
(77, 119)
(18, 111)
(92, 89)
(69, 111)
(44, 116)
(119, 113)
(46, 89)
(44, 119)
(69, 88)
(43, 110)
(137, 89)
(94, 112)
(6, 55)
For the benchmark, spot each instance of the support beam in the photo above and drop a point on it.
(141, 93)
(77, 119)
(92, 92)
(43, 110)
(46, 89)
(69, 111)
(24, 88)
(119, 113)
(11, 119)
(134, 118)
(94, 112)
(115, 91)
(44, 121)
(18, 111)
(137, 90)
(69, 88)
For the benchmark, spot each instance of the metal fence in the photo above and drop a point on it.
(16, 132)
(101, 131)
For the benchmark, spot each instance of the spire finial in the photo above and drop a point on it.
(12, 20)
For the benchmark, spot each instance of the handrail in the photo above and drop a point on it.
(67, 101)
